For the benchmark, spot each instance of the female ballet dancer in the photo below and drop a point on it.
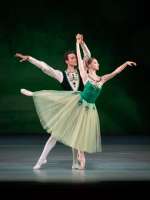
(92, 87)
(71, 117)
(69, 79)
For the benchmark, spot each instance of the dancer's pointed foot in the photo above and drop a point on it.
(26, 92)
(81, 159)
(39, 164)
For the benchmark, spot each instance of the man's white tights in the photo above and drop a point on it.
(51, 142)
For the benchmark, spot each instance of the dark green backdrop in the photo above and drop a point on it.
(115, 31)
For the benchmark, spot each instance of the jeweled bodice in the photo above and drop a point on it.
(90, 92)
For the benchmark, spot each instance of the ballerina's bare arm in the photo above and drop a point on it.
(86, 51)
(82, 70)
(56, 74)
(119, 69)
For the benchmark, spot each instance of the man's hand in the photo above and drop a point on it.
(79, 38)
(22, 57)
(130, 63)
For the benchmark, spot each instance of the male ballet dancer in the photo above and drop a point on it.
(69, 80)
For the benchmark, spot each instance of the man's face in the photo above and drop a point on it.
(72, 60)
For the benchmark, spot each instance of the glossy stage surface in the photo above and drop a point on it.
(124, 158)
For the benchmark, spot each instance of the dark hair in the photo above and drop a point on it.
(67, 53)
(89, 60)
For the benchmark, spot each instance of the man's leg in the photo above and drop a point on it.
(48, 147)
(26, 92)
(49, 144)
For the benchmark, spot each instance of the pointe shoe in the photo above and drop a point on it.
(82, 162)
(39, 164)
(82, 165)
(26, 92)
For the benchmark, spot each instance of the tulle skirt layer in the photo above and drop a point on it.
(70, 119)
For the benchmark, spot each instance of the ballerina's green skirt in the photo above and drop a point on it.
(71, 117)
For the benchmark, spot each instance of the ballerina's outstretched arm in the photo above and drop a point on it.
(82, 70)
(56, 74)
(119, 69)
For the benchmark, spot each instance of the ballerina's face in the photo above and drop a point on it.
(94, 64)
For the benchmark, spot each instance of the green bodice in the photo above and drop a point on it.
(90, 92)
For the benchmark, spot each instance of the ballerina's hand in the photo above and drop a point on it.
(130, 63)
(23, 57)
(79, 38)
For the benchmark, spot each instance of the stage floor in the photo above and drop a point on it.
(123, 158)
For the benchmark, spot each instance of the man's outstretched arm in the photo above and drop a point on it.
(50, 71)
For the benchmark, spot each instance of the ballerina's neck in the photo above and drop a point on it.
(94, 78)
